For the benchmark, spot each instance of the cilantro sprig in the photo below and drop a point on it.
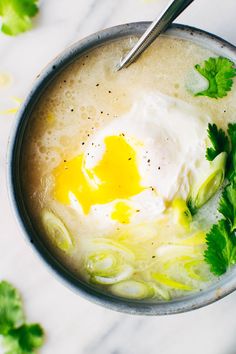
(16, 15)
(18, 337)
(24, 340)
(232, 158)
(11, 312)
(227, 206)
(221, 250)
(219, 140)
(219, 72)
(221, 239)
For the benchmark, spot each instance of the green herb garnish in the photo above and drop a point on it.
(24, 340)
(221, 251)
(231, 165)
(16, 15)
(18, 337)
(219, 140)
(221, 239)
(11, 312)
(227, 206)
(220, 73)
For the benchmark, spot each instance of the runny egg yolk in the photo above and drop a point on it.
(122, 213)
(116, 176)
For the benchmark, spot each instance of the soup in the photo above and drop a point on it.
(114, 168)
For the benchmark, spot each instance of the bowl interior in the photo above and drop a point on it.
(224, 286)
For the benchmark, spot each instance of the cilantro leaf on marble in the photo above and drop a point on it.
(11, 311)
(16, 15)
(24, 340)
(18, 337)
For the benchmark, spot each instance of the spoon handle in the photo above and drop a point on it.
(172, 11)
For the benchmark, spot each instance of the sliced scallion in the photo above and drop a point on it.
(56, 230)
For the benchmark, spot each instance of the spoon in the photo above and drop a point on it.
(173, 10)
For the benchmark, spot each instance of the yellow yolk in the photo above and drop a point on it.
(116, 176)
(122, 213)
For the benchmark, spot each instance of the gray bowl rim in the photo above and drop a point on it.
(218, 290)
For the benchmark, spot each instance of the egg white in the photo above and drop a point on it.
(169, 137)
(170, 133)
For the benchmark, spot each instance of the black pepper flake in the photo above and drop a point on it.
(130, 158)
(109, 91)
(108, 114)
(97, 85)
(138, 210)
(152, 189)
(224, 110)
(64, 160)
(87, 134)
(153, 256)
(72, 110)
(148, 160)
(101, 112)
(82, 143)
(86, 56)
(89, 117)
(64, 80)
(159, 168)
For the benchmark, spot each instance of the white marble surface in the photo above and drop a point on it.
(73, 325)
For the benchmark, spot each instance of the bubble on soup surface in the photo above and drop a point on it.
(68, 94)
(42, 149)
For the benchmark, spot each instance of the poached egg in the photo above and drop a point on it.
(136, 165)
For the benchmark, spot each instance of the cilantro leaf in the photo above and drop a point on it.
(18, 337)
(11, 312)
(232, 157)
(220, 73)
(16, 15)
(24, 340)
(219, 140)
(227, 206)
(221, 240)
(221, 250)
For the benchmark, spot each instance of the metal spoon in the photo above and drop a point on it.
(173, 10)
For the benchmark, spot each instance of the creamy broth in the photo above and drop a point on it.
(89, 97)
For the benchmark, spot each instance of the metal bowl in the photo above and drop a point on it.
(216, 291)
